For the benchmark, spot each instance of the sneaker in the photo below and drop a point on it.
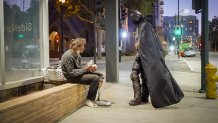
(103, 103)
(89, 103)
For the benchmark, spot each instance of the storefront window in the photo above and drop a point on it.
(21, 39)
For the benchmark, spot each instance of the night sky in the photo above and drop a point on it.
(171, 8)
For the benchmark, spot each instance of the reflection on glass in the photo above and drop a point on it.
(22, 45)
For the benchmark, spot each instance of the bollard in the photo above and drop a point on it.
(212, 78)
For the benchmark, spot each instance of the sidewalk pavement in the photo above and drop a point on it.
(194, 107)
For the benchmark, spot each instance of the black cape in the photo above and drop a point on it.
(163, 88)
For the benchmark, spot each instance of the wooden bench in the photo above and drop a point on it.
(44, 106)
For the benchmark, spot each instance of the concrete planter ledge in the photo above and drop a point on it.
(44, 106)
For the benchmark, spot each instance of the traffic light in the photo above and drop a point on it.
(197, 5)
(178, 31)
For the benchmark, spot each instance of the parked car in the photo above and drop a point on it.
(189, 52)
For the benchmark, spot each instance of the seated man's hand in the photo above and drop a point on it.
(94, 67)
(87, 68)
(91, 68)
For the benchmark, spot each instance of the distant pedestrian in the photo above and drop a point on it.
(75, 73)
(157, 80)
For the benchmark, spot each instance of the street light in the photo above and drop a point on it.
(124, 34)
(62, 27)
(172, 48)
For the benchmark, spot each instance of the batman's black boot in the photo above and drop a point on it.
(137, 98)
(137, 91)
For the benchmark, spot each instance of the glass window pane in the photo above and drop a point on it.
(22, 39)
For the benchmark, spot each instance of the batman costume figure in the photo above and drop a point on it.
(157, 80)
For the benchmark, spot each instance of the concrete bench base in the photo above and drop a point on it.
(45, 106)
(20, 91)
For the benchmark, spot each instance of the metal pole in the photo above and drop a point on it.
(178, 42)
(176, 49)
(204, 44)
(95, 32)
(120, 26)
(95, 40)
(178, 13)
(62, 32)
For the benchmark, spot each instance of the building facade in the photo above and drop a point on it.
(159, 11)
(189, 26)
(158, 16)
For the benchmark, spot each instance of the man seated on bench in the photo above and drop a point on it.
(75, 73)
